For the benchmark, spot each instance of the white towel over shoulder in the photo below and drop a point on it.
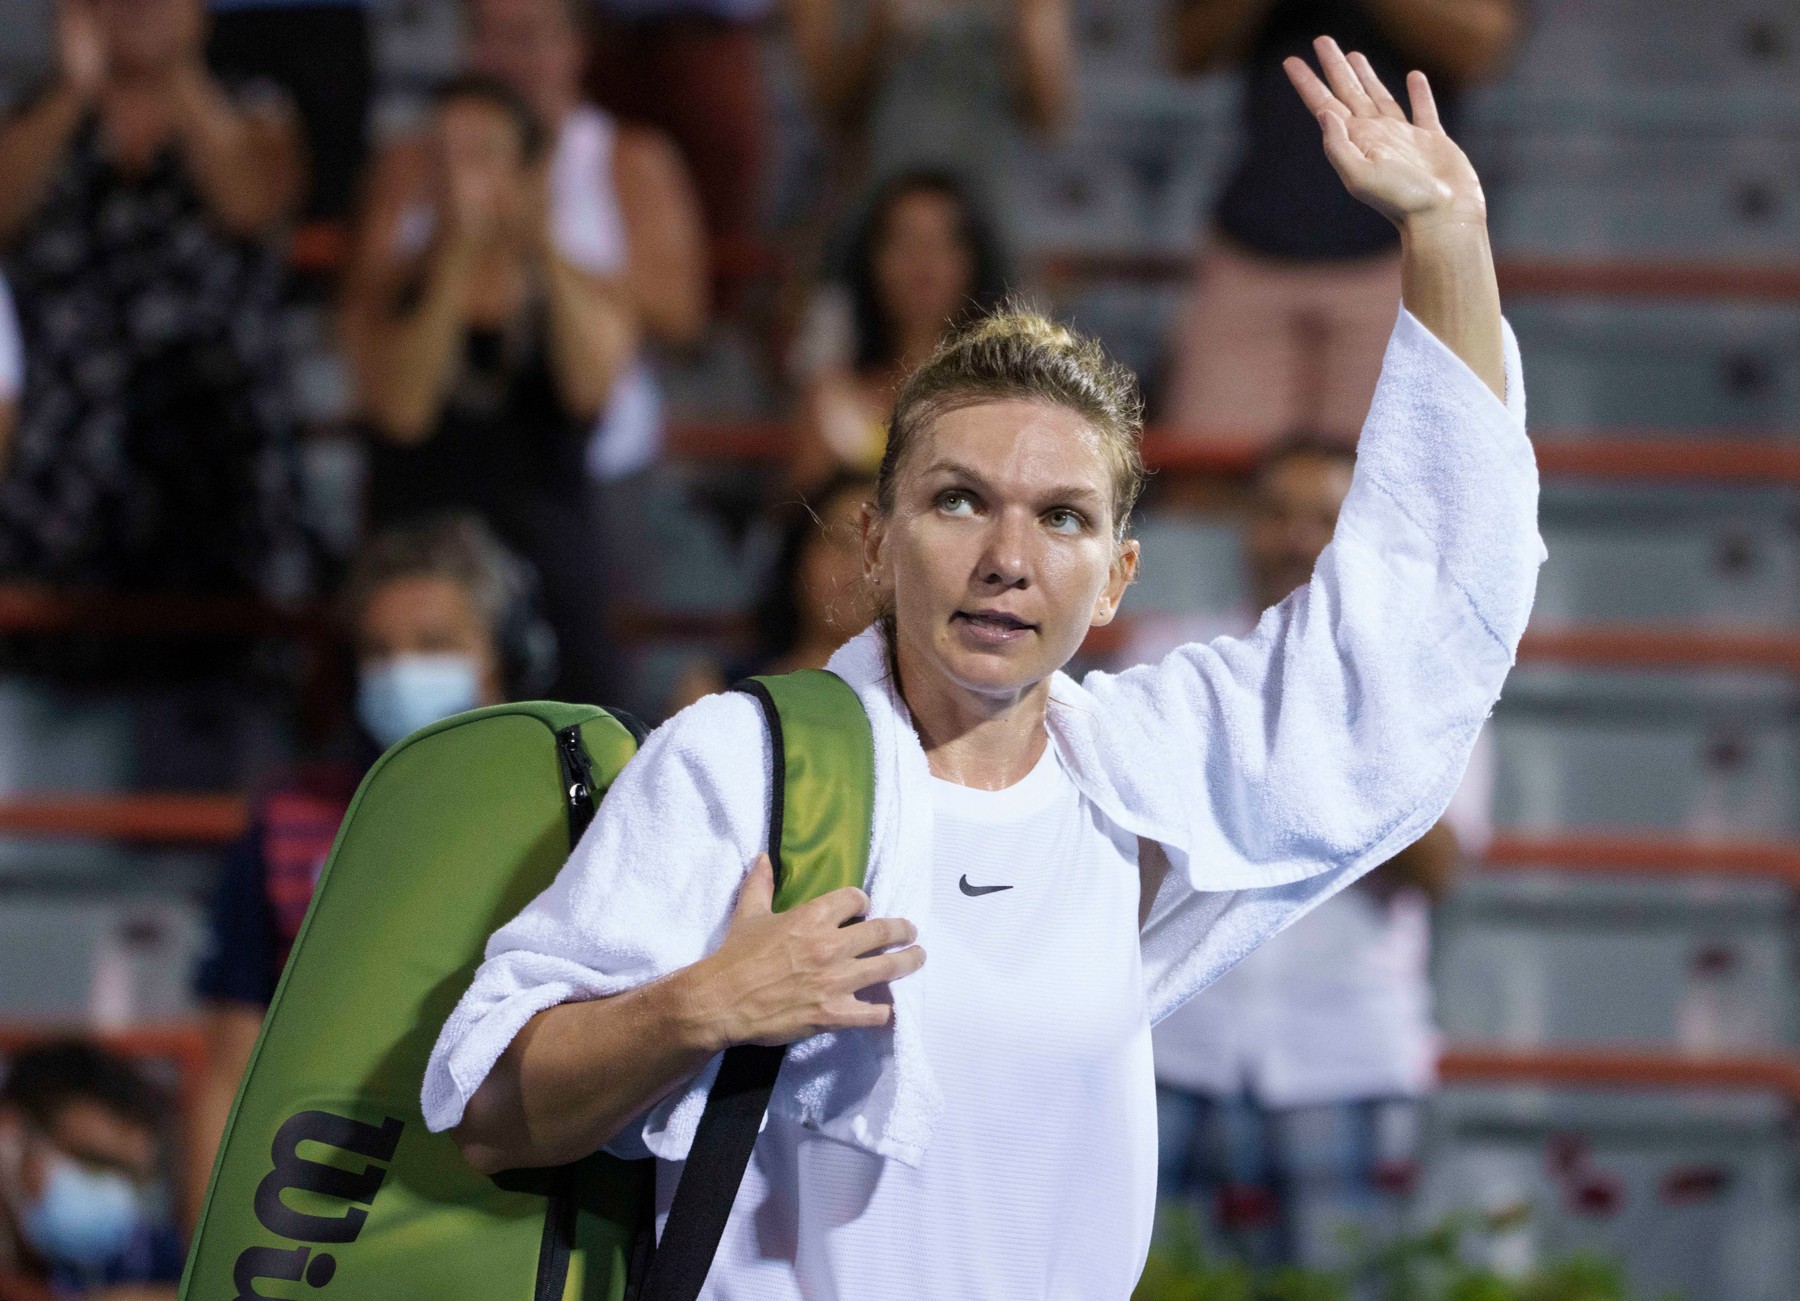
(1272, 769)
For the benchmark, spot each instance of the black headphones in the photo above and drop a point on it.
(522, 635)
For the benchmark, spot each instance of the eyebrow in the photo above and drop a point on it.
(1068, 493)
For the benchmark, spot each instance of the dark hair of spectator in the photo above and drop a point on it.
(876, 344)
(462, 549)
(41, 1082)
(777, 613)
(1306, 444)
(480, 87)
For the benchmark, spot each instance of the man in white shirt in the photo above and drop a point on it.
(12, 370)
(1288, 1091)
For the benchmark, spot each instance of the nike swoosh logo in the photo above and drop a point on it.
(973, 890)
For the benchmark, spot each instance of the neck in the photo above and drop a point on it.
(553, 111)
(988, 742)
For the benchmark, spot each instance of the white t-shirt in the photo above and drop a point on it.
(12, 348)
(1338, 1007)
(1033, 991)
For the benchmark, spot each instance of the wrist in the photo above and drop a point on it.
(1447, 225)
(695, 1013)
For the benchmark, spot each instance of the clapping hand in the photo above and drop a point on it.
(1409, 171)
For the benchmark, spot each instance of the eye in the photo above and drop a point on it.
(1064, 520)
(955, 501)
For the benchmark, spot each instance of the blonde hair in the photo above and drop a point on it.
(1015, 353)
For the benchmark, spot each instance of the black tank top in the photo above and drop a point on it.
(503, 437)
(1284, 200)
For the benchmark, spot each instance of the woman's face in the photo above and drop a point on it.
(480, 163)
(145, 36)
(999, 554)
(832, 597)
(422, 614)
(924, 269)
(532, 46)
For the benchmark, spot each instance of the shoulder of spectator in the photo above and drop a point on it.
(645, 151)
(651, 178)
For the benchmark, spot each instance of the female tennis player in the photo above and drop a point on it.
(1078, 858)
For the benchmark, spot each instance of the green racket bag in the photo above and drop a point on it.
(327, 1182)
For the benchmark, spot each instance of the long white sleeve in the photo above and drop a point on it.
(1334, 735)
(648, 890)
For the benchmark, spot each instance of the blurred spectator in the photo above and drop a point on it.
(1288, 1091)
(80, 1137)
(923, 256)
(139, 204)
(318, 52)
(693, 69)
(12, 371)
(483, 356)
(442, 619)
(1299, 284)
(621, 205)
(815, 599)
(952, 84)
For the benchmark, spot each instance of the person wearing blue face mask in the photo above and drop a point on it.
(79, 1210)
(442, 618)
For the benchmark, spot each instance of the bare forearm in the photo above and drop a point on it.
(1447, 282)
(31, 149)
(1459, 39)
(840, 74)
(246, 171)
(1211, 33)
(593, 334)
(230, 1030)
(578, 1073)
(665, 237)
(9, 421)
(1046, 61)
(1427, 865)
(405, 363)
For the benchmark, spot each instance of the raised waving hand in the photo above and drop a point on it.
(1408, 170)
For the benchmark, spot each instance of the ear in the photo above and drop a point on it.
(1120, 576)
(874, 539)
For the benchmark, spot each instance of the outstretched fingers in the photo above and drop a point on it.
(1315, 94)
(1341, 149)
(1378, 94)
(1342, 78)
(1424, 107)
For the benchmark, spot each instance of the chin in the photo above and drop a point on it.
(1000, 672)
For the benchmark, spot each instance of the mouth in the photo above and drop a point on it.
(993, 627)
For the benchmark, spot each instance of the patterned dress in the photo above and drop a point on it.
(156, 443)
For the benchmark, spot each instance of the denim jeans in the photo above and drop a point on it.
(1296, 1185)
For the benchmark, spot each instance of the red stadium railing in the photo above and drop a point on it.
(36, 609)
(322, 248)
(1523, 277)
(1645, 455)
(1615, 852)
(1616, 1068)
(139, 817)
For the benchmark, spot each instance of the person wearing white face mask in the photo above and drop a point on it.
(78, 1162)
(442, 618)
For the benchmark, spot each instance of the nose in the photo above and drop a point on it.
(1006, 558)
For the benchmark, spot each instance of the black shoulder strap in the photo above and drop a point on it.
(734, 1110)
